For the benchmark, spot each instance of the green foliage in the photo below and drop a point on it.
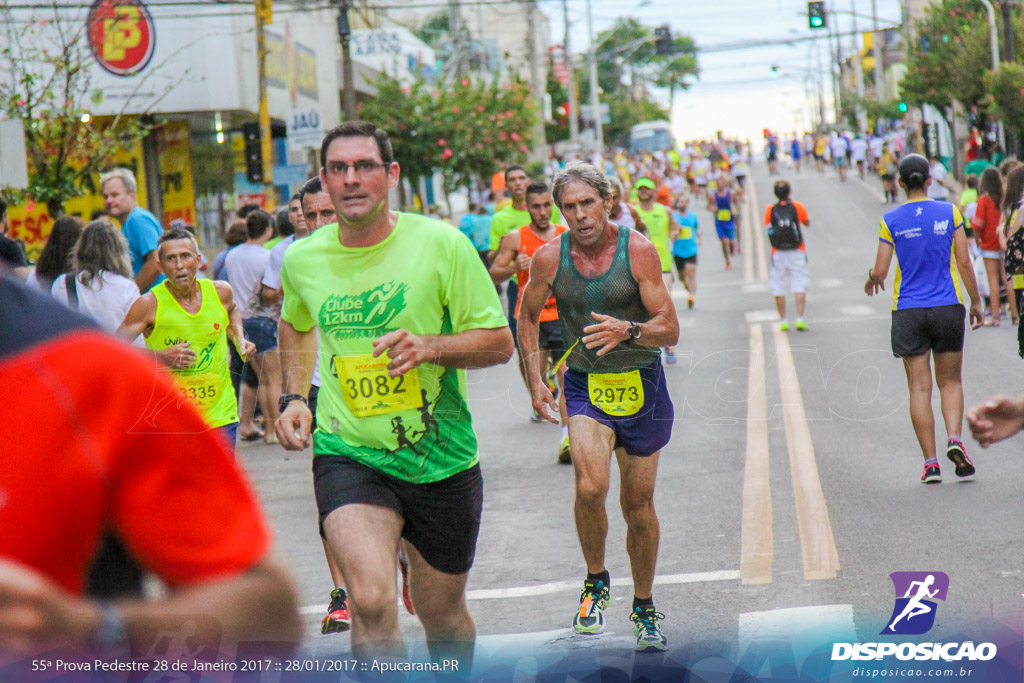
(216, 173)
(1007, 89)
(45, 81)
(459, 128)
(625, 115)
(952, 56)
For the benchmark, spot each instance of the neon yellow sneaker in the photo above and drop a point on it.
(564, 455)
(802, 326)
(784, 327)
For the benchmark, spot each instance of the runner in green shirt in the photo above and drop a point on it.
(402, 305)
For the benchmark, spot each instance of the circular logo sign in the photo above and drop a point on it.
(121, 35)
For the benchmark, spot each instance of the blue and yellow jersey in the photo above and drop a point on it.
(921, 231)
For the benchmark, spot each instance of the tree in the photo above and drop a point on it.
(1007, 89)
(458, 128)
(46, 82)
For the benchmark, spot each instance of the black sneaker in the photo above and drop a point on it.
(931, 475)
(647, 629)
(590, 616)
(338, 618)
(956, 452)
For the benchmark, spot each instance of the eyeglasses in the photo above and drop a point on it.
(361, 167)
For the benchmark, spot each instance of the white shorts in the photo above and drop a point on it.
(789, 272)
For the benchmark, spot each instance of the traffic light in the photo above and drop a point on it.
(816, 14)
(903, 107)
(663, 40)
(775, 71)
(253, 152)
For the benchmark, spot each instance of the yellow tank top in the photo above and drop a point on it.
(208, 381)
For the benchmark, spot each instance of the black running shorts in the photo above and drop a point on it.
(442, 519)
(939, 329)
(549, 338)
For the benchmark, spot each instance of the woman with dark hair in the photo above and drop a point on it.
(55, 260)
(926, 237)
(986, 222)
(1011, 243)
(233, 236)
(100, 283)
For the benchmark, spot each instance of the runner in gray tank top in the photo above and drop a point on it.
(613, 305)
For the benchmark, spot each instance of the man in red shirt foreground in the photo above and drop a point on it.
(101, 441)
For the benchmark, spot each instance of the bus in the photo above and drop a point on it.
(650, 136)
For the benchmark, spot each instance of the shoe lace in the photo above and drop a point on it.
(649, 620)
(337, 600)
(595, 590)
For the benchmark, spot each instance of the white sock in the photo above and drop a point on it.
(565, 432)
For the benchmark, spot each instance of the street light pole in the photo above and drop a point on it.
(574, 102)
(879, 66)
(858, 70)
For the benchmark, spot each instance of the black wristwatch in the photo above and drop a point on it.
(285, 399)
(634, 331)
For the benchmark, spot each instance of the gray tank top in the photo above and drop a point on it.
(615, 293)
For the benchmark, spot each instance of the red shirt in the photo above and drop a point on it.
(986, 224)
(98, 438)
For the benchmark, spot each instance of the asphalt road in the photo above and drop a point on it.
(788, 494)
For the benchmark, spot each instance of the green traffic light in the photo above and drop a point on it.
(816, 22)
(903, 106)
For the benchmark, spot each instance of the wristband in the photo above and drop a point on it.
(285, 399)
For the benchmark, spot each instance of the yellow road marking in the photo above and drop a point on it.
(817, 543)
(757, 543)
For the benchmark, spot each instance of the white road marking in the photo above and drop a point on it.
(756, 288)
(829, 283)
(801, 627)
(756, 543)
(765, 316)
(560, 586)
(857, 310)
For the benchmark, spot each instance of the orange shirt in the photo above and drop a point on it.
(801, 215)
(664, 195)
(529, 243)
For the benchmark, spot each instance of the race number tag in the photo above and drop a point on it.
(685, 233)
(723, 215)
(200, 388)
(368, 390)
(619, 394)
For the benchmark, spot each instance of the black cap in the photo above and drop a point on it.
(912, 164)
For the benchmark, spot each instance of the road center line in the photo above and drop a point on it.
(756, 546)
(818, 545)
(755, 227)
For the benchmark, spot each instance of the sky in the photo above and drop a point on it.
(735, 92)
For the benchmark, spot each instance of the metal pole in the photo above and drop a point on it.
(993, 39)
(858, 71)
(595, 101)
(348, 93)
(537, 85)
(880, 90)
(263, 17)
(834, 67)
(574, 105)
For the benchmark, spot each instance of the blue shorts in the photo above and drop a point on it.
(262, 332)
(230, 433)
(726, 230)
(642, 434)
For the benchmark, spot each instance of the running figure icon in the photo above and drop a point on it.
(916, 607)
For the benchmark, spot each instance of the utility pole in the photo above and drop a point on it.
(348, 93)
(858, 70)
(536, 84)
(834, 68)
(879, 40)
(264, 16)
(574, 103)
(455, 31)
(595, 101)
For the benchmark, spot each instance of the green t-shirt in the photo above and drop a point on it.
(977, 167)
(509, 219)
(657, 224)
(425, 277)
